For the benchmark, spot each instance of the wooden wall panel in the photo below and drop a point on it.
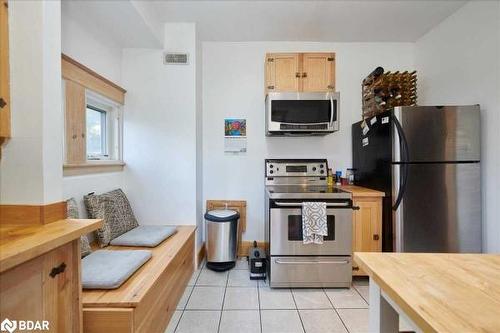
(75, 119)
(4, 72)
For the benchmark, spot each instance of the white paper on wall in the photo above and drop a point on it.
(235, 144)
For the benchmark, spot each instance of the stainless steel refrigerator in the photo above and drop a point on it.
(427, 161)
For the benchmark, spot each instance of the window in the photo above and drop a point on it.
(96, 133)
(102, 127)
(93, 125)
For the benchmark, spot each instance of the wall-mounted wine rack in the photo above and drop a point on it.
(382, 91)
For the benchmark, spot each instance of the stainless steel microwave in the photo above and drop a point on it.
(302, 114)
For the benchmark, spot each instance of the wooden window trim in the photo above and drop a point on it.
(79, 81)
(91, 167)
(74, 71)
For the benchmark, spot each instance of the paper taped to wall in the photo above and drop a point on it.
(235, 144)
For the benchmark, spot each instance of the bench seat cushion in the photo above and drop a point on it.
(104, 269)
(145, 235)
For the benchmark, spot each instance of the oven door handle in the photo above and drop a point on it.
(310, 262)
(295, 204)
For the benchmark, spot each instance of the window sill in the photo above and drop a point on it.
(92, 167)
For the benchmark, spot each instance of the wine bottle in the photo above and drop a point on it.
(375, 74)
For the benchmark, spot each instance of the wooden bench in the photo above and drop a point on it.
(146, 301)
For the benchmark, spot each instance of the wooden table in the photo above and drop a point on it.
(433, 292)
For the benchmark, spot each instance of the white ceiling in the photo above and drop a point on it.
(139, 23)
(120, 20)
(332, 21)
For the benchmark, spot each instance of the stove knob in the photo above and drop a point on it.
(271, 172)
(322, 171)
(314, 168)
(321, 166)
(271, 166)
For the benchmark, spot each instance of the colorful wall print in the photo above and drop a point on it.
(235, 135)
(235, 127)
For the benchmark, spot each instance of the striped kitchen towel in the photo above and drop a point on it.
(314, 225)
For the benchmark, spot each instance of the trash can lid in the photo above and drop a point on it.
(222, 215)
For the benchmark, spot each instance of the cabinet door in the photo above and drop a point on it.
(367, 227)
(318, 72)
(4, 73)
(30, 292)
(282, 72)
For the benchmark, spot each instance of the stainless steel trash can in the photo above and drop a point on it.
(221, 236)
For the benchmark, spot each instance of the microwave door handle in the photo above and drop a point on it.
(334, 111)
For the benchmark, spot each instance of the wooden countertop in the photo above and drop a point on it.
(440, 292)
(20, 244)
(358, 191)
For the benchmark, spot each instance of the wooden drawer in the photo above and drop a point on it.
(45, 288)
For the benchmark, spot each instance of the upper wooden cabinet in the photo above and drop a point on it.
(300, 72)
(4, 73)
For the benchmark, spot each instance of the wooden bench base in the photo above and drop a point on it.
(147, 301)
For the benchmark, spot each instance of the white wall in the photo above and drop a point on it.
(459, 63)
(98, 52)
(160, 130)
(30, 167)
(104, 56)
(233, 86)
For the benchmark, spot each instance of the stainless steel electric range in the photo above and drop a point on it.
(294, 264)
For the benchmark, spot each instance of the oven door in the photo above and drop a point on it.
(286, 230)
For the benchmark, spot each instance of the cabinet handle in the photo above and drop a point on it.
(57, 270)
(74, 136)
(355, 268)
(297, 74)
(376, 237)
(330, 87)
(270, 87)
(304, 74)
(2, 103)
(83, 135)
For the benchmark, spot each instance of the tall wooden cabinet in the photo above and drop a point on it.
(4, 73)
(300, 72)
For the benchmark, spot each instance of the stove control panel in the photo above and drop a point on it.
(296, 168)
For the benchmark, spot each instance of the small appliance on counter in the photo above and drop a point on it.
(257, 263)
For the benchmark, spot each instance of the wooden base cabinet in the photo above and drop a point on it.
(367, 228)
(46, 288)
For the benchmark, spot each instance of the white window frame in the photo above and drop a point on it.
(113, 127)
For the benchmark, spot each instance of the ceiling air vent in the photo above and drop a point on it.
(175, 58)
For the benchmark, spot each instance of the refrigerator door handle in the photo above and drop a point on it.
(405, 157)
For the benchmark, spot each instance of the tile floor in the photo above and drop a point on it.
(231, 302)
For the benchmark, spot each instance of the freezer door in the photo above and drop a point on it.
(440, 210)
(439, 133)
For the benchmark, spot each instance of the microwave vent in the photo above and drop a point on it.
(176, 58)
